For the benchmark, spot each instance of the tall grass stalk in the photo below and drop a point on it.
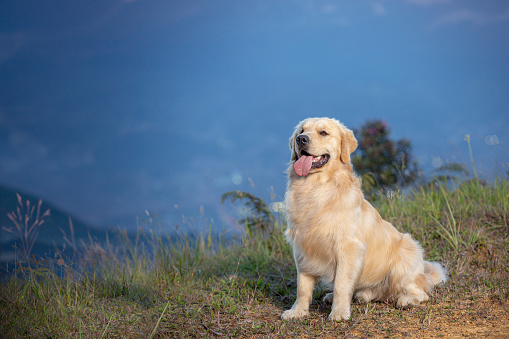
(450, 234)
(27, 220)
(467, 139)
(159, 320)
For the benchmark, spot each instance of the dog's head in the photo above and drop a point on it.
(316, 143)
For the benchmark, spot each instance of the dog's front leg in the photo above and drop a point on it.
(305, 285)
(350, 260)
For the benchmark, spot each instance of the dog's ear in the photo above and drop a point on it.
(296, 132)
(295, 156)
(348, 145)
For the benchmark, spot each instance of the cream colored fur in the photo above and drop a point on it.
(337, 236)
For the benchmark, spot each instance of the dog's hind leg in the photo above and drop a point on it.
(328, 297)
(413, 290)
(364, 295)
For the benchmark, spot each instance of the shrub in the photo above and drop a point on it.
(381, 161)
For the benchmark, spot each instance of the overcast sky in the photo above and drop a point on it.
(111, 107)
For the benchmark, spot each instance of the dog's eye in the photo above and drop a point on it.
(323, 133)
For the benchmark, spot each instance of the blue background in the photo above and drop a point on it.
(110, 108)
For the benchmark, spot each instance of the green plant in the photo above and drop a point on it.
(449, 229)
(387, 162)
(450, 172)
(258, 218)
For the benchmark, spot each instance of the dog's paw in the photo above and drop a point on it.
(407, 301)
(340, 314)
(328, 297)
(294, 314)
(364, 296)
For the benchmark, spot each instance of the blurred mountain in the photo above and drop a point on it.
(52, 232)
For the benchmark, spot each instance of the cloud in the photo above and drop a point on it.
(10, 44)
(187, 12)
(428, 2)
(214, 135)
(468, 16)
(21, 151)
(3, 118)
(130, 127)
(329, 9)
(379, 9)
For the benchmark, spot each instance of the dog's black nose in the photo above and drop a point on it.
(302, 140)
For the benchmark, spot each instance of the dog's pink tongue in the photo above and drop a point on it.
(303, 165)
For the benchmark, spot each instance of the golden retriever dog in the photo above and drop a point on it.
(337, 236)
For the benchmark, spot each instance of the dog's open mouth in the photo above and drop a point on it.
(307, 161)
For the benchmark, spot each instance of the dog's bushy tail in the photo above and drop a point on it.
(435, 272)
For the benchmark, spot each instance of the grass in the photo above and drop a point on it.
(153, 286)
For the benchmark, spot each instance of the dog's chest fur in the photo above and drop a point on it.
(320, 218)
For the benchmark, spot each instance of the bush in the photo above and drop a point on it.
(383, 162)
